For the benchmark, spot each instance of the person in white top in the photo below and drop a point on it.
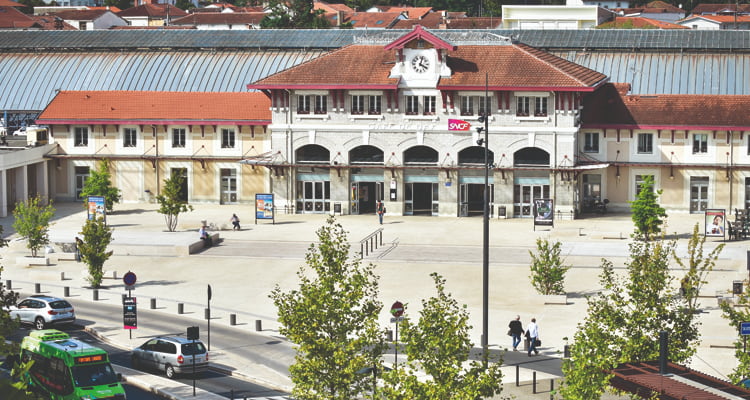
(532, 333)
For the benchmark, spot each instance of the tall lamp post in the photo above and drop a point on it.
(486, 223)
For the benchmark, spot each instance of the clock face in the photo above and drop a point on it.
(420, 64)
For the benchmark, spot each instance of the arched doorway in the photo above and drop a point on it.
(421, 185)
(366, 178)
(314, 183)
(530, 179)
(471, 181)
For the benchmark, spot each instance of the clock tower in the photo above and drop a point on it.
(420, 59)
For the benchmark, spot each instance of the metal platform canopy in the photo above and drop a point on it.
(680, 382)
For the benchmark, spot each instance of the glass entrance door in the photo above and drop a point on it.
(421, 198)
(698, 193)
(313, 196)
(81, 174)
(228, 186)
(365, 196)
(471, 199)
(524, 196)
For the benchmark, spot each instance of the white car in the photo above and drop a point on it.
(42, 311)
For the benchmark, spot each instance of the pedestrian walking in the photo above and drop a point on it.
(380, 209)
(515, 330)
(78, 244)
(532, 334)
(235, 222)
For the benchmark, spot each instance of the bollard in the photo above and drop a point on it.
(8, 284)
(533, 382)
(66, 291)
(551, 388)
(389, 335)
(62, 276)
(96, 294)
(153, 304)
(180, 308)
(207, 313)
(566, 351)
(518, 372)
(37, 288)
(123, 297)
(231, 394)
(232, 319)
(258, 325)
(114, 274)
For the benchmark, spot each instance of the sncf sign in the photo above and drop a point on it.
(458, 125)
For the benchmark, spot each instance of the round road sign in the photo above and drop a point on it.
(397, 309)
(129, 278)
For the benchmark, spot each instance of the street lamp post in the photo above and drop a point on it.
(486, 222)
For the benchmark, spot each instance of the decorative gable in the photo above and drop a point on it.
(420, 60)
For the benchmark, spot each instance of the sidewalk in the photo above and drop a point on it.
(266, 254)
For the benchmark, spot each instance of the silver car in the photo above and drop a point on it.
(173, 355)
(42, 311)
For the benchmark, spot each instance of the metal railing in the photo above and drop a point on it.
(370, 242)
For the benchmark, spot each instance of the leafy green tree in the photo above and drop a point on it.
(32, 222)
(438, 344)
(99, 183)
(547, 268)
(697, 267)
(623, 321)
(647, 213)
(294, 14)
(187, 5)
(170, 201)
(121, 4)
(96, 237)
(332, 319)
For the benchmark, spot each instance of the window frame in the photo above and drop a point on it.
(179, 141)
(129, 137)
(642, 147)
(466, 104)
(411, 105)
(228, 138)
(83, 132)
(540, 106)
(374, 104)
(591, 142)
(358, 105)
(303, 104)
(700, 146)
(429, 106)
(522, 106)
(321, 104)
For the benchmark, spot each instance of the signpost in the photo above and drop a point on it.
(397, 310)
(208, 317)
(744, 331)
(193, 334)
(129, 306)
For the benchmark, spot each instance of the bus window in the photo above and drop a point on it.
(94, 375)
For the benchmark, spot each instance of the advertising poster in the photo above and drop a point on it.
(264, 206)
(96, 207)
(715, 222)
(544, 212)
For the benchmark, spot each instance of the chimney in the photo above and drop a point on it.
(339, 17)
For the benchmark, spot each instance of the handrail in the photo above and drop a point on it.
(370, 242)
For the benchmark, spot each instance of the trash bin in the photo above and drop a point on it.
(501, 211)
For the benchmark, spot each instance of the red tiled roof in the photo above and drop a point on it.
(234, 18)
(665, 6)
(159, 107)
(371, 19)
(10, 18)
(130, 27)
(153, 11)
(411, 12)
(331, 7)
(80, 15)
(47, 22)
(435, 20)
(10, 3)
(511, 66)
(722, 19)
(110, 8)
(475, 23)
(638, 23)
(714, 8)
(609, 107)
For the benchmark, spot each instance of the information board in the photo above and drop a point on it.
(96, 207)
(264, 208)
(129, 313)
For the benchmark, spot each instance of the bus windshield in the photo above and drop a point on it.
(94, 375)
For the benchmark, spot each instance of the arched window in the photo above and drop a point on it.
(313, 153)
(474, 155)
(366, 154)
(420, 155)
(531, 156)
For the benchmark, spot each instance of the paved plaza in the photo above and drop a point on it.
(248, 263)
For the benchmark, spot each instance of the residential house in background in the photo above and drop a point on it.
(365, 20)
(657, 10)
(449, 20)
(639, 23)
(609, 4)
(716, 22)
(720, 9)
(151, 14)
(86, 20)
(221, 20)
(150, 136)
(554, 17)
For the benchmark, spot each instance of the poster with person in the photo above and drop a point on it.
(544, 212)
(715, 222)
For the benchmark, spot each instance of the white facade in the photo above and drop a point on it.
(553, 17)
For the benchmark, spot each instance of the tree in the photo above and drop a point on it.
(438, 344)
(623, 321)
(96, 237)
(697, 267)
(121, 4)
(99, 183)
(294, 14)
(32, 222)
(547, 268)
(170, 201)
(332, 319)
(647, 213)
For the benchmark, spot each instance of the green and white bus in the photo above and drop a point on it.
(68, 369)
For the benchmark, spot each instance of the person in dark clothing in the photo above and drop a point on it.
(235, 222)
(516, 330)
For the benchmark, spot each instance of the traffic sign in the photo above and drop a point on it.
(129, 278)
(129, 313)
(744, 328)
(397, 309)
